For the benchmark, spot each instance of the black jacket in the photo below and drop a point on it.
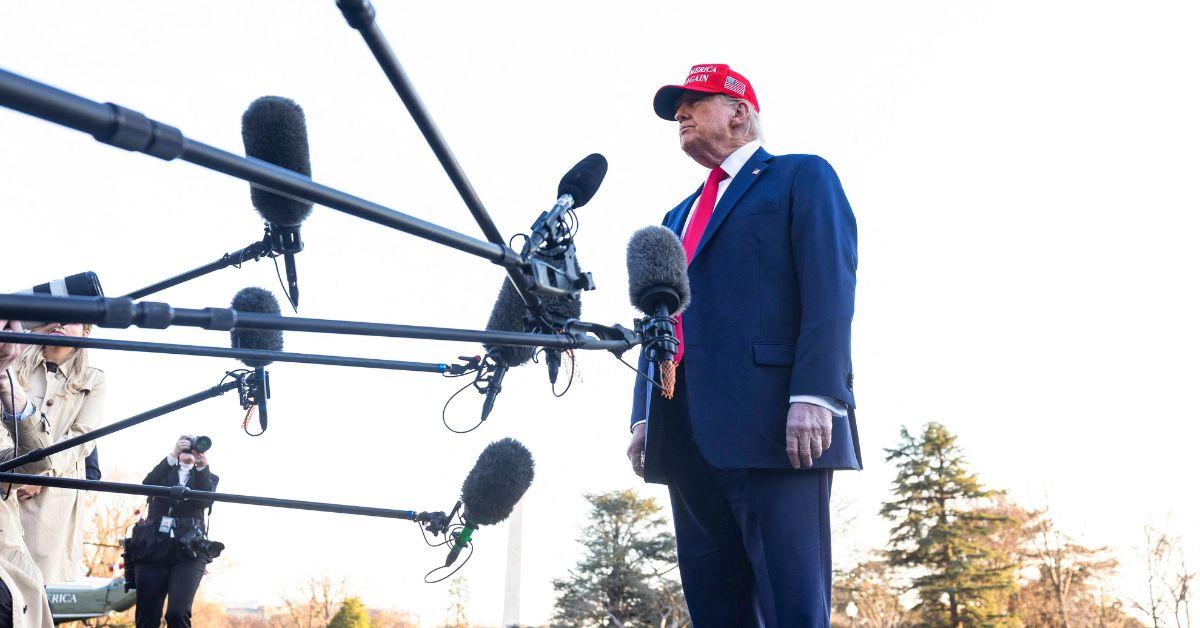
(167, 474)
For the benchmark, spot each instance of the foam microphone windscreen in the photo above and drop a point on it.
(508, 314)
(496, 483)
(657, 267)
(263, 302)
(273, 130)
(582, 181)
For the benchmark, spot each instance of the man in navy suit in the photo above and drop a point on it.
(762, 411)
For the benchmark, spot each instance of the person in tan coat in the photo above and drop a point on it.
(70, 395)
(19, 574)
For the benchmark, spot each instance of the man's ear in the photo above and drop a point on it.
(741, 114)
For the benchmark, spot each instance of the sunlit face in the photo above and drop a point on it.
(187, 457)
(704, 122)
(63, 329)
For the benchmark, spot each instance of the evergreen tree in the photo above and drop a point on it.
(942, 534)
(352, 614)
(619, 581)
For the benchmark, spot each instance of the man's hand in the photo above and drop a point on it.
(637, 449)
(201, 459)
(180, 445)
(808, 434)
(26, 492)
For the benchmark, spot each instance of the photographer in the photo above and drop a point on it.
(22, 595)
(171, 546)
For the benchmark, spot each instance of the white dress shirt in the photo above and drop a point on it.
(732, 165)
(184, 470)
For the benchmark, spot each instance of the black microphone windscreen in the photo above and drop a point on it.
(273, 130)
(508, 314)
(584, 179)
(496, 483)
(657, 265)
(263, 302)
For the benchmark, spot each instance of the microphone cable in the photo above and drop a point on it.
(478, 370)
(450, 536)
(240, 374)
(452, 531)
(570, 353)
(640, 374)
(282, 286)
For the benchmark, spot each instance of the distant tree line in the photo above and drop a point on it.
(961, 554)
(958, 554)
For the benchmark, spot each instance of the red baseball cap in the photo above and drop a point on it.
(711, 78)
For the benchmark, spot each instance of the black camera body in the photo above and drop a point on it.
(199, 444)
(195, 544)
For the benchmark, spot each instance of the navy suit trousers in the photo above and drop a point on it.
(754, 544)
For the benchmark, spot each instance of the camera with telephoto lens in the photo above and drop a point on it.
(85, 284)
(196, 545)
(199, 444)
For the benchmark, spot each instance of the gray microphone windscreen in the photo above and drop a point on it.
(274, 131)
(657, 267)
(263, 302)
(496, 483)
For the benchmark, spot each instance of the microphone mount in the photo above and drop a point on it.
(254, 389)
(285, 240)
(658, 336)
(548, 280)
(550, 226)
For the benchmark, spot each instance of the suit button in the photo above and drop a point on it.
(49, 402)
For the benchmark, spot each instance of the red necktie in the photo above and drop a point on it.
(695, 231)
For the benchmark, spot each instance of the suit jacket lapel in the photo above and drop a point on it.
(742, 182)
(678, 216)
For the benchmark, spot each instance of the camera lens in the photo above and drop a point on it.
(202, 444)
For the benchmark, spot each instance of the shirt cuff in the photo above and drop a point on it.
(634, 426)
(172, 460)
(22, 415)
(833, 405)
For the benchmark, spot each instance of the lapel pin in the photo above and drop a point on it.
(756, 171)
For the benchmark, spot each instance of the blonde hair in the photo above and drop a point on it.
(74, 368)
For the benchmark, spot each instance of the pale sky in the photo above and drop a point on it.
(1023, 175)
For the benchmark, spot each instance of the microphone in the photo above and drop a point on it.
(258, 385)
(510, 314)
(576, 188)
(658, 286)
(274, 131)
(582, 181)
(492, 489)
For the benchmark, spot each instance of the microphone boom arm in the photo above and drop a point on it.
(39, 454)
(125, 313)
(185, 493)
(253, 252)
(128, 129)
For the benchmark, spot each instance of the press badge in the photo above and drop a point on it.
(166, 525)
